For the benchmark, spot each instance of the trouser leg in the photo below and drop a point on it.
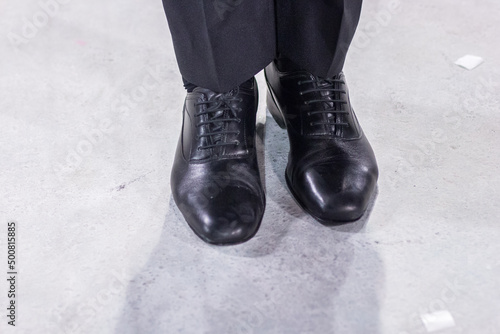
(221, 43)
(316, 34)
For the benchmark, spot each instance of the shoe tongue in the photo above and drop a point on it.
(324, 83)
(219, 114)
(207, 92)
(328, 85)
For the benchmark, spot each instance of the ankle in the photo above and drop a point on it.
(188, 85)
(284, 64)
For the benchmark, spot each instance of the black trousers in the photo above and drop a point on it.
(221, 43)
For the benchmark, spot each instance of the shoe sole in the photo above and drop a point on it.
(226, 243)
(278, 116)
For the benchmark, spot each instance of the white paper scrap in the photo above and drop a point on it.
(469, 62)
(437, 320)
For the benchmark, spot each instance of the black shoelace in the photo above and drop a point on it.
(330, 103)
(220, 112)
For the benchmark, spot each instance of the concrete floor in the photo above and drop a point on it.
(90, 115)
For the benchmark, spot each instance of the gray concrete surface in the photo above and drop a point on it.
(90, 101)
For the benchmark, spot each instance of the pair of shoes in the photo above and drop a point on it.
(215, 180)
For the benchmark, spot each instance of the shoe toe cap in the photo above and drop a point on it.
(334, 194)
(229, 217)
(342, 207)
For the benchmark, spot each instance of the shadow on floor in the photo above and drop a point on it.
(295, 276)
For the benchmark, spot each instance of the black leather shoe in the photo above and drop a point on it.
(331, 171)
(215, 179)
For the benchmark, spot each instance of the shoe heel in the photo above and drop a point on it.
(274, 110)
